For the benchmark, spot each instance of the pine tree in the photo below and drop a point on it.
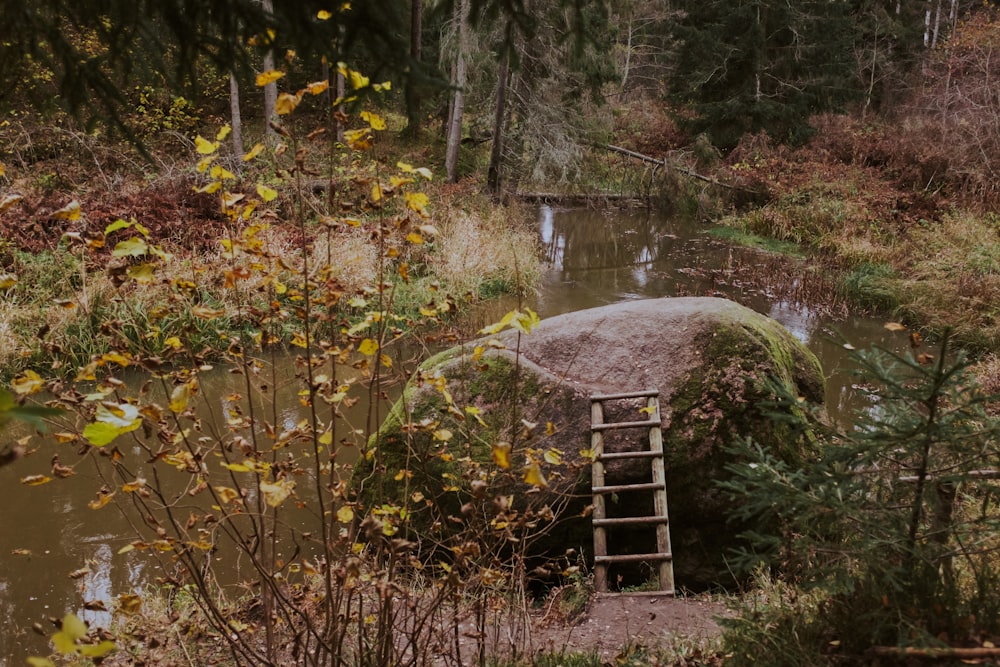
(761, 65)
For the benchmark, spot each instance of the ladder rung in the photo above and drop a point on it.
(607, 427)
(631, 521)
(645, 454)
(631, 394)
(633, 558)
(650, 486)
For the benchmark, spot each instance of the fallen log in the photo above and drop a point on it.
(667, 165)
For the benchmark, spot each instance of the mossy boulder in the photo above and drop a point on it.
(711, 360)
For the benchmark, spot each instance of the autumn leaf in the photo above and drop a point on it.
(375, 121)
(204, 146)
(368, 347)
(533, 475)
(267, 77)
(102, 500)
(254, 152)
(9, 200)
(345, 514)
(266, 193)
(70, 211)
(553, 456)
(501, 454)
(323, 15)
(286, 103)
(27, 383)
(35, 480)
(275, 493)
(894, 326)
(317, 87)
(206, 313)
(417, 201)
(129, 603)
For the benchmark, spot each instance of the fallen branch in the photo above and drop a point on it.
(936, 653)
(667, 165)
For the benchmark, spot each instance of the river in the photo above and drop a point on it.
(593, 258)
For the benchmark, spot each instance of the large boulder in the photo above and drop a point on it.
(711, 359)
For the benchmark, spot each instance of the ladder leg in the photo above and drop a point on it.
(597, 474)
(666, 572)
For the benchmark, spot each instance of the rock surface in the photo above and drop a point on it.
(709, 358)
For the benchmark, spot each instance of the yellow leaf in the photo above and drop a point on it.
(533, 475)
(267, 77)
(220, 173)
(415, 238)
(3, 169)
(323, 15)
(27, 383)
(211, 188)
(102, 500)
(277, 492)
(206, 313)
(266, 193)
(357, 79)
(204, 146)
(70, 211)
(132, 487)
(317, 87)
(368, 347)
(345, 514)
(35, 480)
(376, 192)
(173, 342)
(223, 132)
(425, 172)
(443, 434)
(895, 326)
(129, 604)
(501, 454)
(418, 201)
(553, 456)
(254, 152)
(286, 103)
(375, 121)
(7, 280)
(144, 274)
(9, 200)
(179, 397)
(299, 340)
(359, 139)
(226, 494)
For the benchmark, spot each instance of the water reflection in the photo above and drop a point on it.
(602, 257)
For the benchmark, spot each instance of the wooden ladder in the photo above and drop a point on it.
(663, 555)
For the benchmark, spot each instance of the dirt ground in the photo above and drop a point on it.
(611, 622)
(607, 625)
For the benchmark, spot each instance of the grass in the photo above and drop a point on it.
(768, 244)
(934, 274)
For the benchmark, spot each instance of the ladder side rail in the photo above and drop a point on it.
(597, 480)
(660, 500)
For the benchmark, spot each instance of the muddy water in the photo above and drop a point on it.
(593, 258)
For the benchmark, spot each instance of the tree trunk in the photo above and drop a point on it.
(458, 97)
(271, 89)
(234, 112)
(412, 94)
(493, 177)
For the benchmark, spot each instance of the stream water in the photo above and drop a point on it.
(593, 258)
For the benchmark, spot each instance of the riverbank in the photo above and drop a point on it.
(923, 255)
(148, 264)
